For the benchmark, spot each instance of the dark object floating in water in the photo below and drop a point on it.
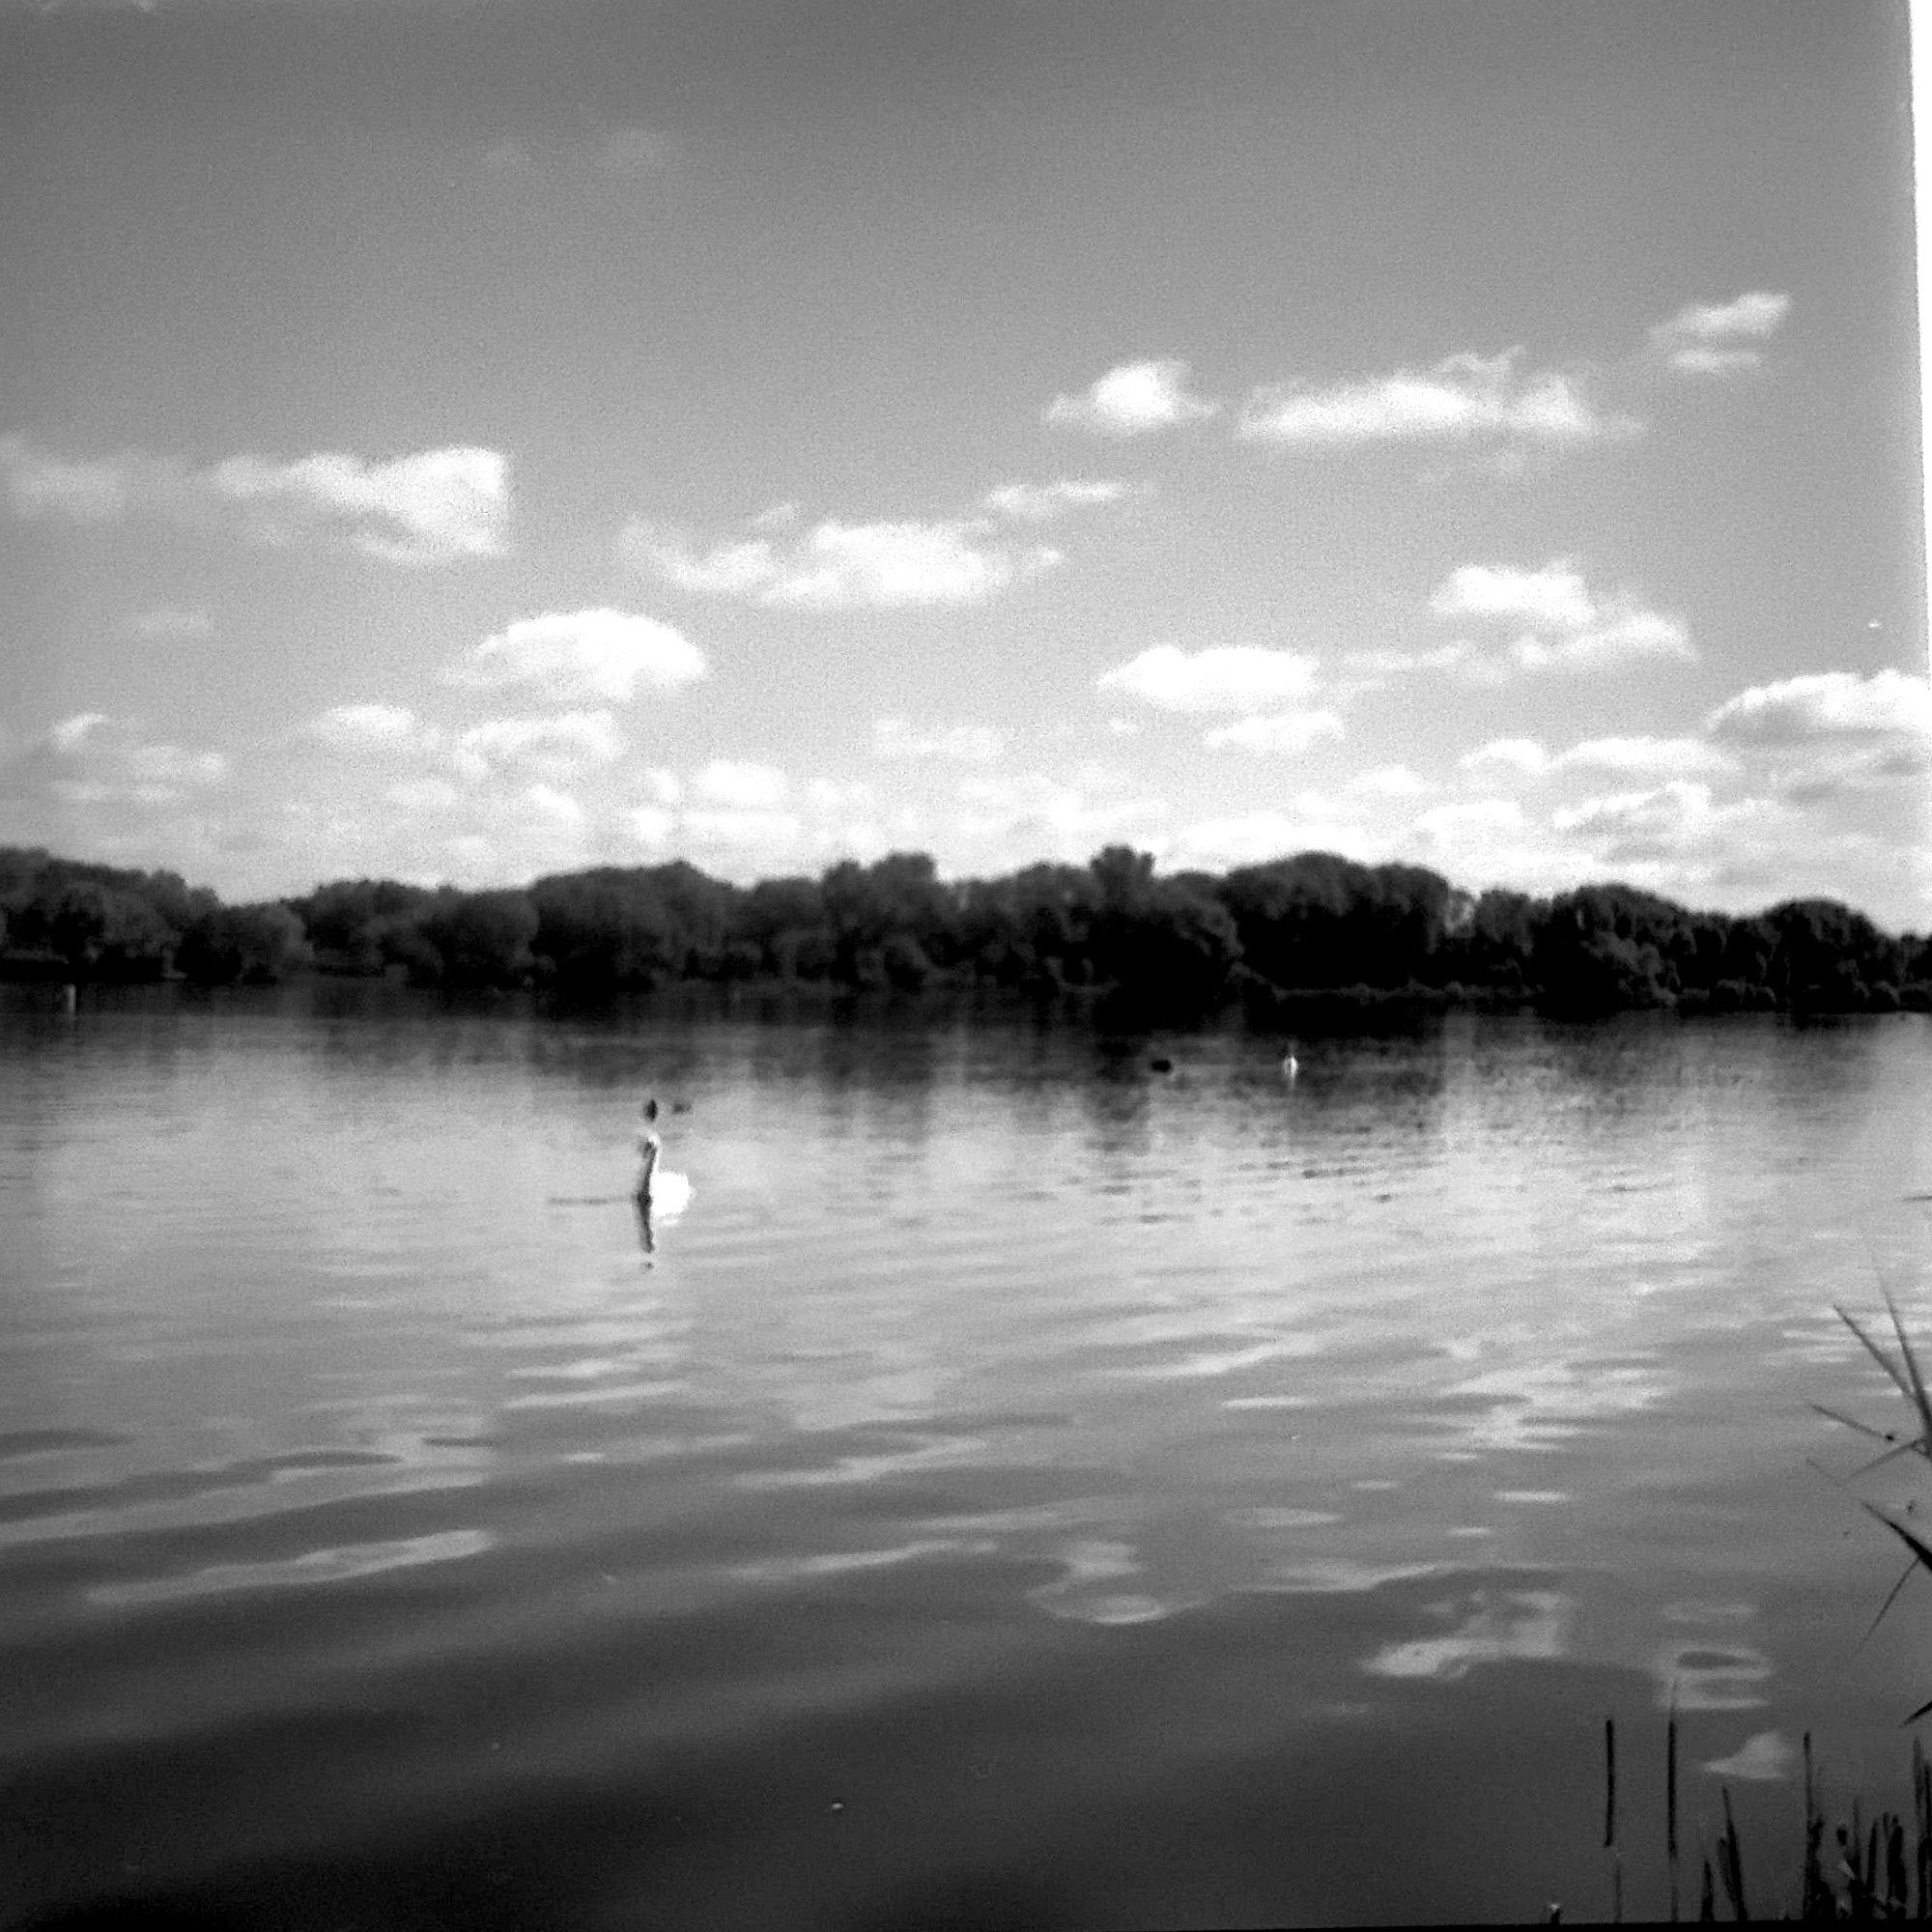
(680, 1106)
(1161, 1064)
(1918, 1197)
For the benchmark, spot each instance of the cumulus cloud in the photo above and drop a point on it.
(1461, 398)
(1720, 338)
(1568, 627)
(1387, 782)
(1815, 737)
(1244, 679)
(1132, 399)
(1446, 825)
(962, 744)
(556, 748)
(836, 566)
(1522, 756)
(1646, 757)
(738, 833)
(70, 734)
(1556, 594)
(1661, 807)
(1035, 813)
(1041, 503)
(1316, 823)
(434, 506)
(1288, 731)
(741, 786)
(1832, 704)
(360, 724)
(581, 656)
(94, 759)
(1633, 756)
(559, 807)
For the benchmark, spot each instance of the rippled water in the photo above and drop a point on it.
(1024, 1489)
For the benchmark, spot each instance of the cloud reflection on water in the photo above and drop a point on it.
(315, 1566)
(1514, 1626)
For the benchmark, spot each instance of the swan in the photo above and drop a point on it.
(660, 1193)
(669, 1194)
(1290, 1067)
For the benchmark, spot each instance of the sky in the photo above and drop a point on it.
(465, 439)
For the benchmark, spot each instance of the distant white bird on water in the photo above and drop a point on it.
(1290, 1067)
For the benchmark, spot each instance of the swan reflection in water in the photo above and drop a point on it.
(661, 1195)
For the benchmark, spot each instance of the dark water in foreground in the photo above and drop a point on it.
(1022, 1490)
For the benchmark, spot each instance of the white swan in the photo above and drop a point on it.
(669, 1193)
(659, 1192)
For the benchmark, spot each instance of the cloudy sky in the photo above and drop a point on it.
(466, 439)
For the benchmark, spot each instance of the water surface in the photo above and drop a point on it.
(1024, 1489)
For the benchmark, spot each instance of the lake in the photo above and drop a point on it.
(1025, 1489)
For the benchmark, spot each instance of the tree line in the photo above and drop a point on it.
(1311, 928)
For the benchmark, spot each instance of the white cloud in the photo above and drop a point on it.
(962, 744)
(1651, 758)
(582, 655)
(836, 566)
(366, 725)
(1316, 824)
(742, 786)
(1035, 813)
(1464, 397)
(94, 759)
(554, 804)
(70, 734)
(1832, 704)
(1238, 678)
(1661, 816)
(1132, 399)
(1452, 824)
(1718, 338)
(1041, 503)
(1289, 731)
(1624, 631)
(557, 746)
(434, 506)
(835, 795)
(1372, 670)
(651, 824)
(1574, 629)
(1556, 594)
(1387, 782)
(1814, 738)
(1523, 757)
(742, 832)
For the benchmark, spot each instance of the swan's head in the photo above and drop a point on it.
(650, 1110)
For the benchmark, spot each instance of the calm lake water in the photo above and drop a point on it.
(1024, 1489)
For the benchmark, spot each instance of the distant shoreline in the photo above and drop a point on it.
(1297, 941)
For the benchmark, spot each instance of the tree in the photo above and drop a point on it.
(253, 943)
(482, 939)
